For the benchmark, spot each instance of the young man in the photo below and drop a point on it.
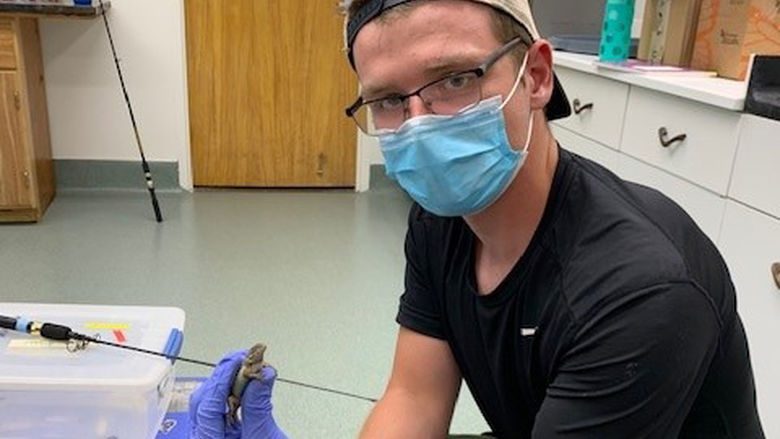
(574, 304)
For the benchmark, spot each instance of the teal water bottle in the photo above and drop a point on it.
(616, 34)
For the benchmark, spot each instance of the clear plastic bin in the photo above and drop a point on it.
(47, 392)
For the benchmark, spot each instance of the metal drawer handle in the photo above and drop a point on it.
(776, 273)
(663, 136)
(579, 108)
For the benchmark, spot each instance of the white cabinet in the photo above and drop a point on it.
(599, 106)
(750, 243)
(756, 180)
(706, 155)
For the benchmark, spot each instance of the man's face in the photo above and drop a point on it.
(432, 40)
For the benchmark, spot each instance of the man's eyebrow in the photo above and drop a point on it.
(433, 71)
(453, 64)
(372, 92)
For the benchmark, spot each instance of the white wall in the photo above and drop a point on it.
(87, 112)
(368, 154)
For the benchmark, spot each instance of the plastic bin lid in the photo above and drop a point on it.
(32, 363)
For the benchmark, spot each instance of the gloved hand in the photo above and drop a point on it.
(208, 405)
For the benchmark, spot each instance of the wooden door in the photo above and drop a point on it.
(14, 172)
(268, 81)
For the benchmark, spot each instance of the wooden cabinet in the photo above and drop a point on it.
(7, 46)
(26, 172)
(14, 163)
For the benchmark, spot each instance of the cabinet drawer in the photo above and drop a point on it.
(7, 47)
(706, 155)
(706, 208)
(756, 180)
(603, 122)
(750, 245)
(585, 147)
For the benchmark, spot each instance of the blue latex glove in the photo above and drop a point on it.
(208, 405)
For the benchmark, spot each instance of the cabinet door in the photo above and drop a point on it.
(599, 106)
(7, 46)
(705, 156)
(750, 242)
(756, 179)
(14, 163)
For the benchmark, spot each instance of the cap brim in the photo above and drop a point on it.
(558, 107)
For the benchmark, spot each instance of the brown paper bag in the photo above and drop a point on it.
(729, 31)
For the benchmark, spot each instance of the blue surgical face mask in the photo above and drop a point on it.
(456, 165)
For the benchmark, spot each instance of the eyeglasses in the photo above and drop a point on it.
(449, 95)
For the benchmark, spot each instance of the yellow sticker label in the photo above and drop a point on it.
(106, 325)
(22, 344)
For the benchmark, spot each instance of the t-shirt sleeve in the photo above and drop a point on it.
(419, 308)
(634, 368)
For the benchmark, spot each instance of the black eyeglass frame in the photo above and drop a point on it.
(479, 72)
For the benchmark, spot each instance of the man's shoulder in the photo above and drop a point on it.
(608, 190)
(633, 212)
(430, 237)
(417, 214)
(422, 222)
(627, 237)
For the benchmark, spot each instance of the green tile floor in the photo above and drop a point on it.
(314, 274)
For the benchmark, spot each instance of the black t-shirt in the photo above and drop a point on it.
(619, 321)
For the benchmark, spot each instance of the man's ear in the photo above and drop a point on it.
(540, 74)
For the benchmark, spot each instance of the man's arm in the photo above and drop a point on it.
(634, 369)
(421, 393)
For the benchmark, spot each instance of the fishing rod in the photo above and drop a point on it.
(144, 163)
(76, 341)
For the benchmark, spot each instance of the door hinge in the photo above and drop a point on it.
(26, 175)
(17, 100)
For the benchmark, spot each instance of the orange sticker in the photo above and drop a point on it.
(120, 336)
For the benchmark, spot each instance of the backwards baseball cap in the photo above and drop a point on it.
(520, 10)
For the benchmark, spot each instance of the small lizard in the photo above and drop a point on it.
(250, 369)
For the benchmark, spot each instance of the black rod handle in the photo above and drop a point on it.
(579, 108)
(156, 206)
(56, 332)
(7, 322)
(663, 136)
